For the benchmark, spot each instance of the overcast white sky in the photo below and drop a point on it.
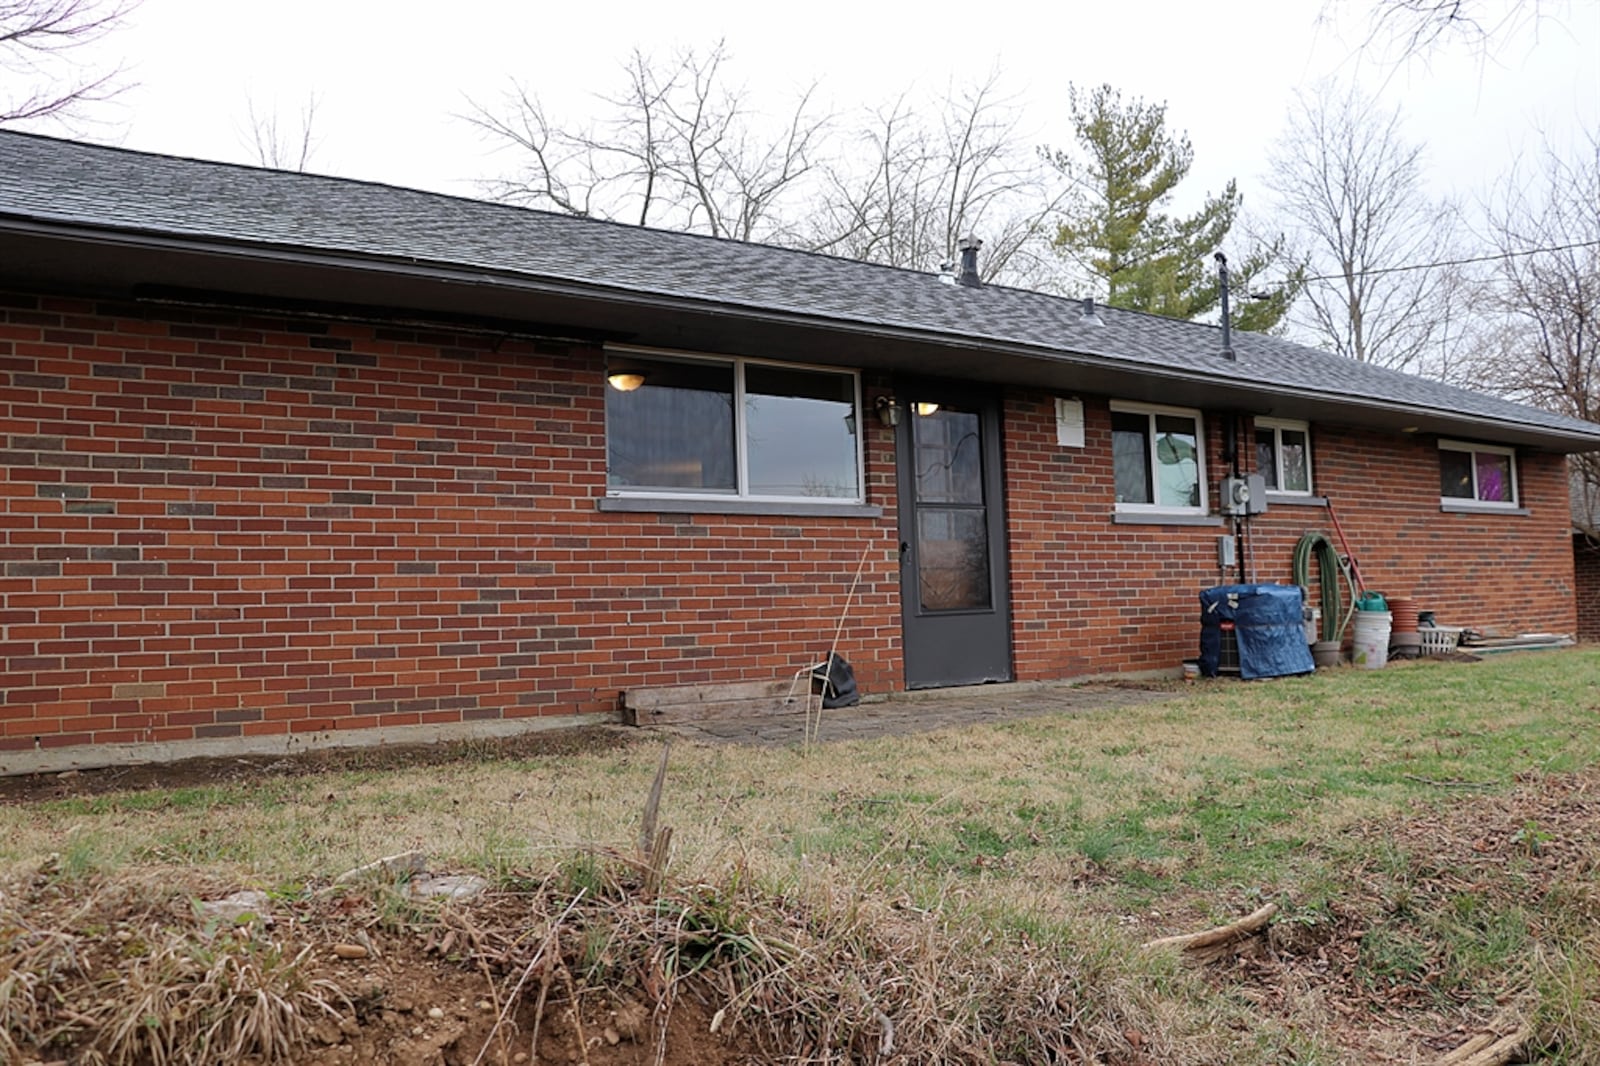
(393, 76)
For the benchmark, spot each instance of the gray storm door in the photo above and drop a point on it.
(955, 611)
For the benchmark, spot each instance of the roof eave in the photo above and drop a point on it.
(1035, 365)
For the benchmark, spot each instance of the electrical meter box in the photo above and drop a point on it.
(1242, 495)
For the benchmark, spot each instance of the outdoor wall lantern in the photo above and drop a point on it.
(888, 411)
(925, 409)
(625, 380)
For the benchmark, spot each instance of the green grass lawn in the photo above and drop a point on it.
(1427, 821)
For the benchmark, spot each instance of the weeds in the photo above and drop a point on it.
(972, 895)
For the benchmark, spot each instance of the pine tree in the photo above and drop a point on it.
(1115, 226)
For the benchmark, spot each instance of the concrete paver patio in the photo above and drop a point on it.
(925, 711)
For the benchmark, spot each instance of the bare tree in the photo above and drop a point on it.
(38, 38)
(283, 147)
(1416, 28)
(1352, 187)
(680, 149)
(920, 183)
(1543, 296)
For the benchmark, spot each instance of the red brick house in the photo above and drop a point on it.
(289, 460)
(1586, 557)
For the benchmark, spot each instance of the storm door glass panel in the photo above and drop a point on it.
(1296, 461)
(952, 519)
(1494, 477)
(949, 459)
(1267, 457)
(1177, 462)
(675, 431)
(953, 558)
(800, 430)
(1455, 474)
(1130, 455)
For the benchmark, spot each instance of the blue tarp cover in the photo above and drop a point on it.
(1268, 623)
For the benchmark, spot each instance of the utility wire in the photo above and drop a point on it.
(1498, 257)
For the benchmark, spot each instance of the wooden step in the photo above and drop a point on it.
(701, 703)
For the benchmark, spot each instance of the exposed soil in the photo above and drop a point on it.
(420, 994)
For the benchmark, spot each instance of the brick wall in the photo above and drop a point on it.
(1094, 596)
(1586, 564)
(1505, 571)
(219, 525)
(216, 524)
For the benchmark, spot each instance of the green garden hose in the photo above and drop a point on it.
(1328, 573)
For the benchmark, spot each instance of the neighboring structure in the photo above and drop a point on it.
(1586, 556)
(289, 457)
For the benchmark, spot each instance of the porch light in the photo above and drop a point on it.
(625, 380)
(925, 409)
(888, 411)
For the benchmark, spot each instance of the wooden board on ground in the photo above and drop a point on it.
(701, 703)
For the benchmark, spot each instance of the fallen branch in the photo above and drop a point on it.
(1467, 1050)
(1207, 944)
(1487, 1049)
(1454, 783)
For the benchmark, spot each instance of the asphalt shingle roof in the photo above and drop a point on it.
(52, 181)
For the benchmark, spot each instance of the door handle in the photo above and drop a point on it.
(905, 546)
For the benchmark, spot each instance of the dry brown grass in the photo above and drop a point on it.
(118, 971)
(981, 888)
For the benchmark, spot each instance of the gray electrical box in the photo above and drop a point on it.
(1226, 555)
(1242, 495)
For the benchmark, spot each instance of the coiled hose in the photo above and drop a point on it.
(1328, 573)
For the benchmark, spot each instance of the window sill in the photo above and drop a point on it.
(1467, 507)
(1156, 518)
(1292, 500)
(781, 508)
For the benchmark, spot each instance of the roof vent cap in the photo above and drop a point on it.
(969, 246)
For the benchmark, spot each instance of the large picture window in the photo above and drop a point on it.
(1477, 476)
(1158, 459)
(1283, 456)
(735, 428)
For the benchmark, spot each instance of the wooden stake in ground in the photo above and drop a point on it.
(655, 844)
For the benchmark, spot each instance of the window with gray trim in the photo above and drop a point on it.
(737, 428)
(1283, 455)
(1158, 459)
(1477, 475)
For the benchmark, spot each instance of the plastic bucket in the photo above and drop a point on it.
(1371, 646)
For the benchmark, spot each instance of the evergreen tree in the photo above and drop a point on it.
(1115, 226)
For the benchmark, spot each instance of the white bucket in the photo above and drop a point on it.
(1371, 645)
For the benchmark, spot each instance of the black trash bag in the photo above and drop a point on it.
(837, 683)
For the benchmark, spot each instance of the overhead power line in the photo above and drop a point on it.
(1498, 257)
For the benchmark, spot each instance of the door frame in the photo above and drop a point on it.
(971, 646)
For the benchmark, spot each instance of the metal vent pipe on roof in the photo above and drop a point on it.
(1227, 323)
(969, 246)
